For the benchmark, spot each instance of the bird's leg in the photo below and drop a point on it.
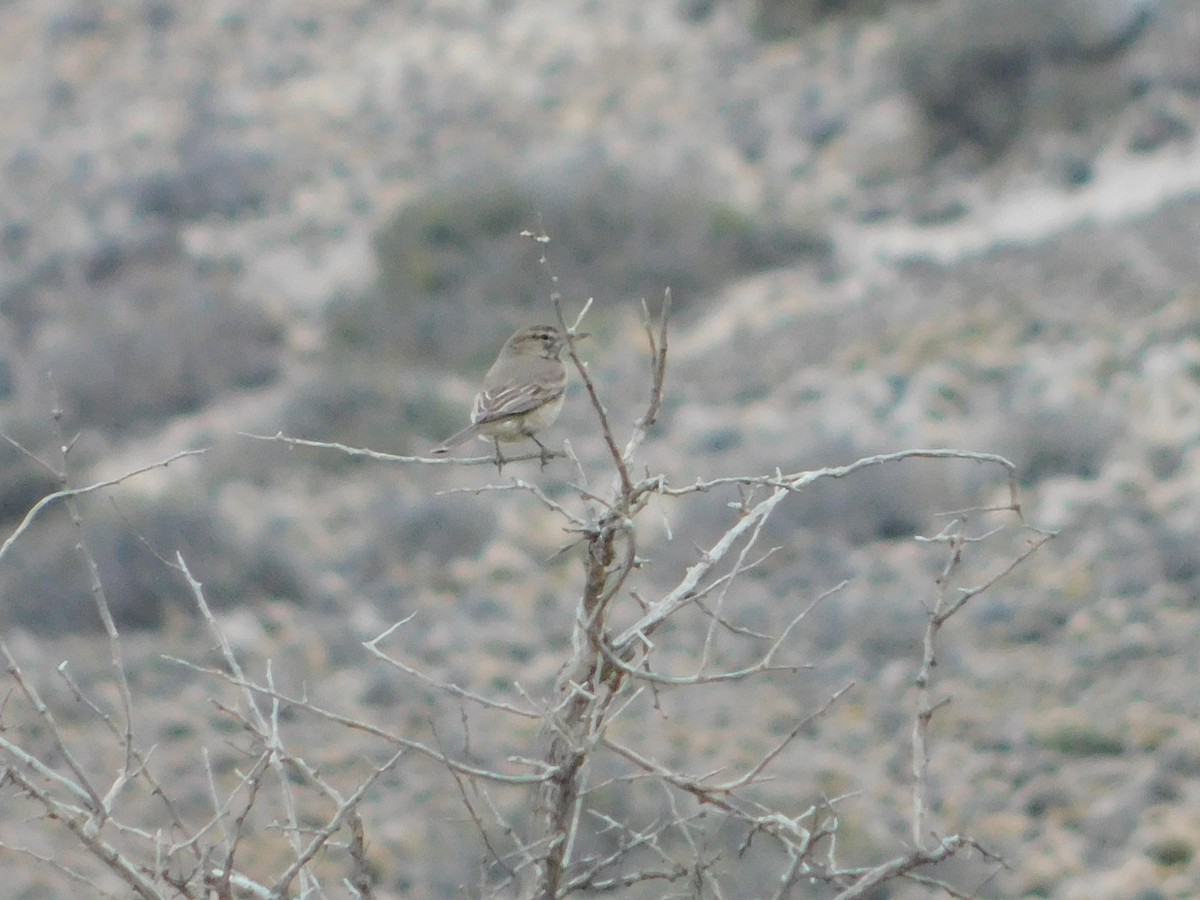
(500, 460)
(546, 453)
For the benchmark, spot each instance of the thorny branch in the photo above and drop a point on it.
(604, 663)
(66, 493)
(608, 670)
(378, 456)
(946, 603)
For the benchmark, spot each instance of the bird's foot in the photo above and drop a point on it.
(500, 460)
(544, 452)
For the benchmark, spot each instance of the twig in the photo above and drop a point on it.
(335, 822)
(281, 438)
(83, 782)
(601, 413)
(684, 592)
(798, 480)
(658, 373)
(84, 832)
(519, 484)
(79, 492)
(866, 883)
(449, 687)
(945, 606)
(365, 727)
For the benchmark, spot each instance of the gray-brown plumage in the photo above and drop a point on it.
(522, 392)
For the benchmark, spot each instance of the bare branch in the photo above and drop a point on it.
(116, 662)
(519, 485)
(967, 594)
(601, 413)
(83, 782)
(799, 480)
(685, 591)
(335, 822)
(365, 727)
(79, 492)
(34, 764)
(866, 883)
(449, 687)
(281, 438)
(943, 608)
(739, 566)
(142, 760)
(56, 865)
(220, 878)
(473, 813)
(81, 827)
(658, 374)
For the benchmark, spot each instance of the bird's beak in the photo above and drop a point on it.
(580, 335)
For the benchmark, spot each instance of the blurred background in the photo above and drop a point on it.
(886, 224)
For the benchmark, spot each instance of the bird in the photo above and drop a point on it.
(522, 392)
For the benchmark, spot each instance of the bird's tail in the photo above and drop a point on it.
(454, 440)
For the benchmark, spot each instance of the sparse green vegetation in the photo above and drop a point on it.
(455, 276)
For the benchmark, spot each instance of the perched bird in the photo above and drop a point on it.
(522, 392)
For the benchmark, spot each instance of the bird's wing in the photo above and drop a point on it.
(512, 400)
